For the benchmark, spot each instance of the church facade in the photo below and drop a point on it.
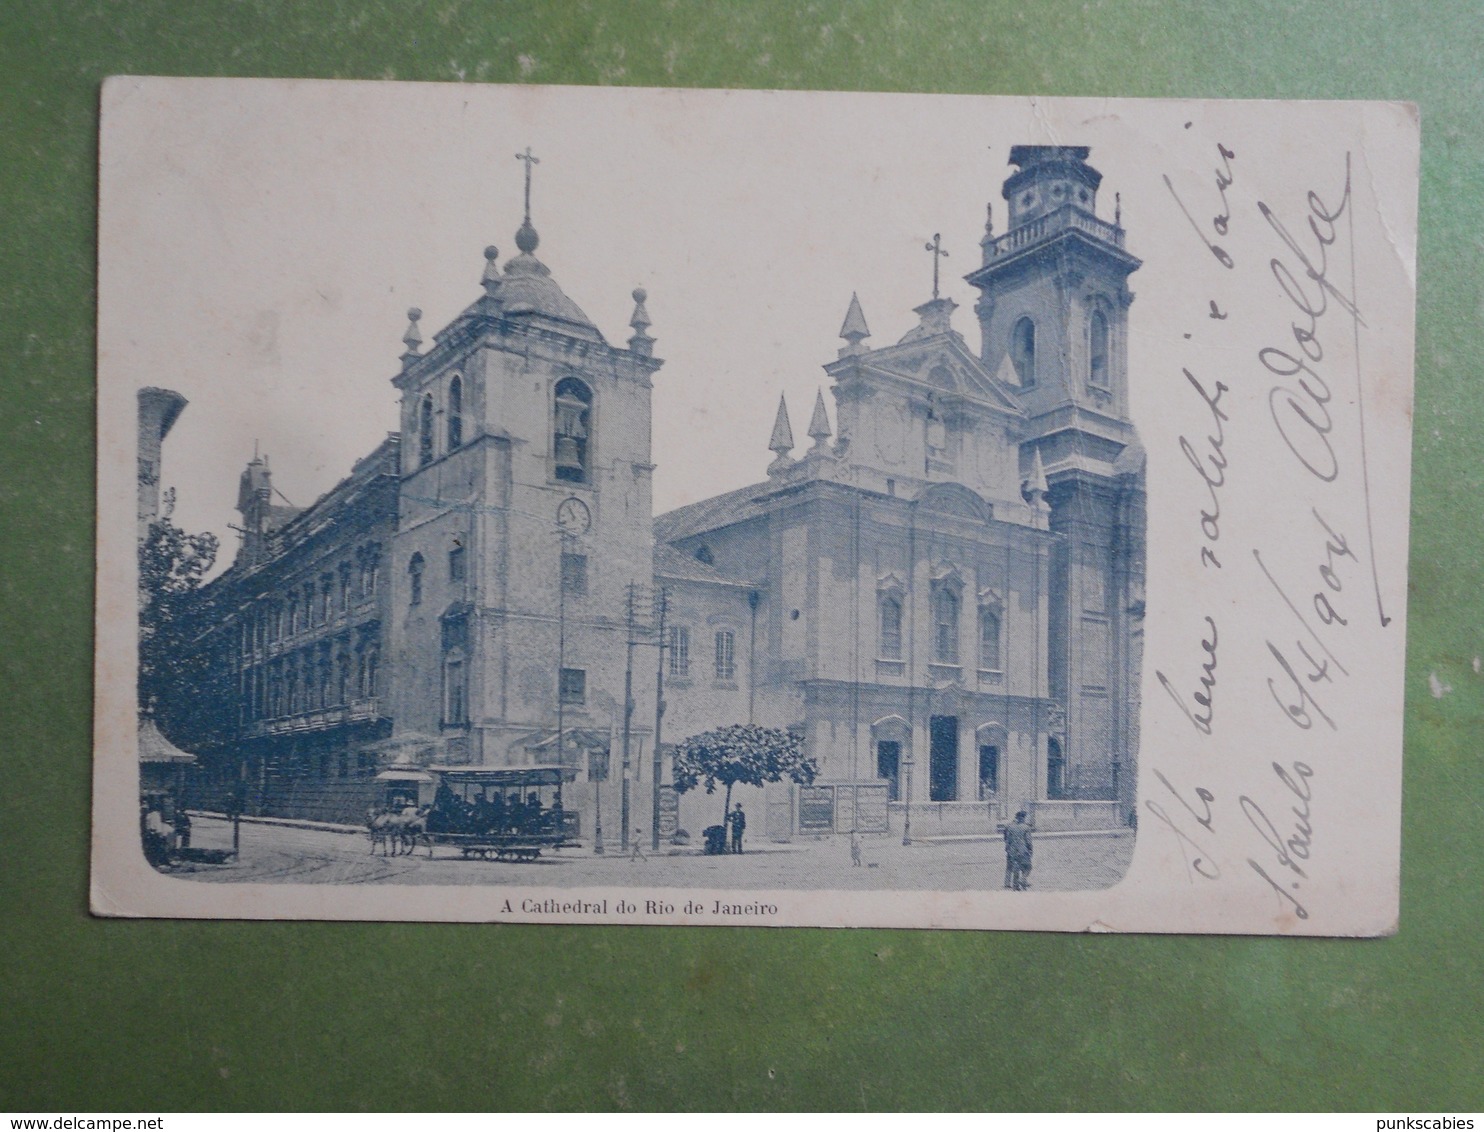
(943, 589)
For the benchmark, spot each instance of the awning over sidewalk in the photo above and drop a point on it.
(156, 749)
(407, 774)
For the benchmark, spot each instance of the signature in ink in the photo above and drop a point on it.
(1290, 847)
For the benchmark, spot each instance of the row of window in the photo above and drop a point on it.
(313, 603)
(946, 630)
(1023, 351)
(724, 655)
(573, 572)
(417, 565)
(453, 422)
(311, 680)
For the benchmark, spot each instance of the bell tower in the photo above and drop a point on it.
(1053, 316)
(525, 517)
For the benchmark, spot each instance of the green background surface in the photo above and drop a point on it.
(160, 1016)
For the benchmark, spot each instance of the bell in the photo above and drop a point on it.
(568, 458)
(569, 417)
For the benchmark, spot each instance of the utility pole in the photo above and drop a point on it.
(661, 604)
(631, 621)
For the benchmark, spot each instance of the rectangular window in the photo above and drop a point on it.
(891, 628)
(574, 574)
(456, 564)
(726, 665)
(574, 685)
(989, 640)
(679, 645)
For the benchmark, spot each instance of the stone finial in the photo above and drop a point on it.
(641, 342)
(819, 423)
(988, 241)
(413, 339)
(1118, 210)
(854, 329)
(491, 278)
(1036, 487)
(782, 440)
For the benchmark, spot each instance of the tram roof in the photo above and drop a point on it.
(548, 775)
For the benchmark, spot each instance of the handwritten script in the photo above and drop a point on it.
(1308, 376)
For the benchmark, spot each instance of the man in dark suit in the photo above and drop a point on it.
(1018, 853)
(738, 821)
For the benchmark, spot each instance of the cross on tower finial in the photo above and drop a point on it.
(530, 159)
(936, 247)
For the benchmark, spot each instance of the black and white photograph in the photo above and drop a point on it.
(643, 506)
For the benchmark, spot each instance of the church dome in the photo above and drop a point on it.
(528, 290)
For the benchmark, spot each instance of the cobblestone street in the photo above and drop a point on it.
(293, 854)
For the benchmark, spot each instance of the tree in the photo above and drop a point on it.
(172, 565)
(742, 753)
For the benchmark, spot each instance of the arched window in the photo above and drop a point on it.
(1097, 355)
(425, 431)
(891, 627)
(455, 413)
(1023, 352)
(1056, 770)
(989, 639)
(945, 626)
(572, 434)
(989, 771)
(415, 579)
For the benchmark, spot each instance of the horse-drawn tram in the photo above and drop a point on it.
(507, 814)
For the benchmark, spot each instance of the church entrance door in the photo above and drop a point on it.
(943, 759)
(889, 765)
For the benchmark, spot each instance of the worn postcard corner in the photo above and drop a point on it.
(725, 507)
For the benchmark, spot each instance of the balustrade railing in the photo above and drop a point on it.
(1063, 219)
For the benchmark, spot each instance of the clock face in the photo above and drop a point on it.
(573, 517)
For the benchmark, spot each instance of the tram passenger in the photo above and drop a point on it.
(483, 815)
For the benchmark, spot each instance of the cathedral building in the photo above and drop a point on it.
(942, 590)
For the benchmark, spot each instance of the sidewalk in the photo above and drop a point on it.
(290, 823)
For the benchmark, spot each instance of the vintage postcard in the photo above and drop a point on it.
(725, 507)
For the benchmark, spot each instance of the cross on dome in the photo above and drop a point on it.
(525, 238)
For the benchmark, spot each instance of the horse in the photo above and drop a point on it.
(406, 829)
(379, 825)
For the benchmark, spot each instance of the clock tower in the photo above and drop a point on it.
(525, 516)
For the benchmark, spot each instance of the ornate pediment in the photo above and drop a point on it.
(957, 500)
(890, 583)
(948, 575)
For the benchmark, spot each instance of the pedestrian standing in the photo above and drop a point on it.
(738, 822)
(1018, 854)
(636, 853)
